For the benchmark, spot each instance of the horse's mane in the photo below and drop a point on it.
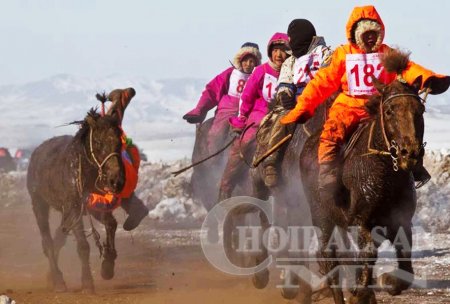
(393, 61)
(84, 125)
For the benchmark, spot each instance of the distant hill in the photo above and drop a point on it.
(32, 112)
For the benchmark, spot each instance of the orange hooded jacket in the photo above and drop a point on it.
(334, 77)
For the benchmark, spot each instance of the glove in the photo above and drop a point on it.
(287, 99)
(194, 116)
(295, 116)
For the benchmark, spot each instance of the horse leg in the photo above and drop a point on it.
(400, 279)
(87, 282)
(261, 278)
(362, 292)
(110, 254)
(41, 212)
(59, 240)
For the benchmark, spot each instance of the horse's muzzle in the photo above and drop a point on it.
(408, 158)
(115, 183)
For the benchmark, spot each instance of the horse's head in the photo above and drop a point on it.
(101, 136)
(400, 110)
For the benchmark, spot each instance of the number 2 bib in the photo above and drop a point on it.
(269, 86)
(360, 70)
(305, 68)
(237, 83)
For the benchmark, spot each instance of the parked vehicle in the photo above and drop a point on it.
(7, 162)
(22, 158)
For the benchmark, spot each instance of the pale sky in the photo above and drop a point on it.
(196, 38)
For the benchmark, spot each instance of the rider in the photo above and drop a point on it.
(127, 199)
(258, 93)
(309, 53)
(365, 33)
(224, 92)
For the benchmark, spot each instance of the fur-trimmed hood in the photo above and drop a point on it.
(244, 51)
(363, 19)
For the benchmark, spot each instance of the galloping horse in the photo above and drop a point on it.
(63, 171)
(377, 188)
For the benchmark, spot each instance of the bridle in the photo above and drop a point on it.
(99, 164)
(391, 146)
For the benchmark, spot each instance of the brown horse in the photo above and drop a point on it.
(377, 189)
(63, 171)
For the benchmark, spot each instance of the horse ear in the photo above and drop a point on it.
(417, 84)
(120, 99)
(378, 84)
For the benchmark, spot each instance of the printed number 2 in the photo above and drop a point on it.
(368, 70)
(240, 87)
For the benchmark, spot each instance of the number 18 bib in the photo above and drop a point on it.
(360, 70)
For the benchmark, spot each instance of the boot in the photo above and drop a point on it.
(421, 175)
(328, 181)
(270, 176)
(136, 211)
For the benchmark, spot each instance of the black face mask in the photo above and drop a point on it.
(301, 33)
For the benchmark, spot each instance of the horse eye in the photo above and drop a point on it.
(389, 112)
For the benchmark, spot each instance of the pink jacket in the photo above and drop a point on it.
(216, 92)
(258, 92)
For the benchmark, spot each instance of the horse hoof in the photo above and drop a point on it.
(88, 290)
(393, 285)
(261, 279)
(107, 269)
(289, 293)
(60, 287)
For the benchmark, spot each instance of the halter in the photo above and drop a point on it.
(99, 165)
(392, 146)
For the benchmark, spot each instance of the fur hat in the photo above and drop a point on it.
(366, 25)
(248, 48)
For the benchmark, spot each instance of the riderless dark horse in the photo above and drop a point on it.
(63, 171)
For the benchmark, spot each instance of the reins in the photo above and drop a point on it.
(392, 146)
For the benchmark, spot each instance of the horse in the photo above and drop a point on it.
(289, 208)
(377, 188)
(207, 175)
(63, 171)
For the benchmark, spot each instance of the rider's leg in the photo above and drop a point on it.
(342, 121)
(278, 132)
(218, 134)
(136, 210)
(232, 171)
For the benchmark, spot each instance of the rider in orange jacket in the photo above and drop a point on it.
(351, 70)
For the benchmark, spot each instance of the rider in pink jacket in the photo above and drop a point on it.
(260, 88)
(224, 92)
(258, 94)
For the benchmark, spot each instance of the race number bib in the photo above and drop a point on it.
(360, 70)
(237, 83)
(269, 87)
(305, 68)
